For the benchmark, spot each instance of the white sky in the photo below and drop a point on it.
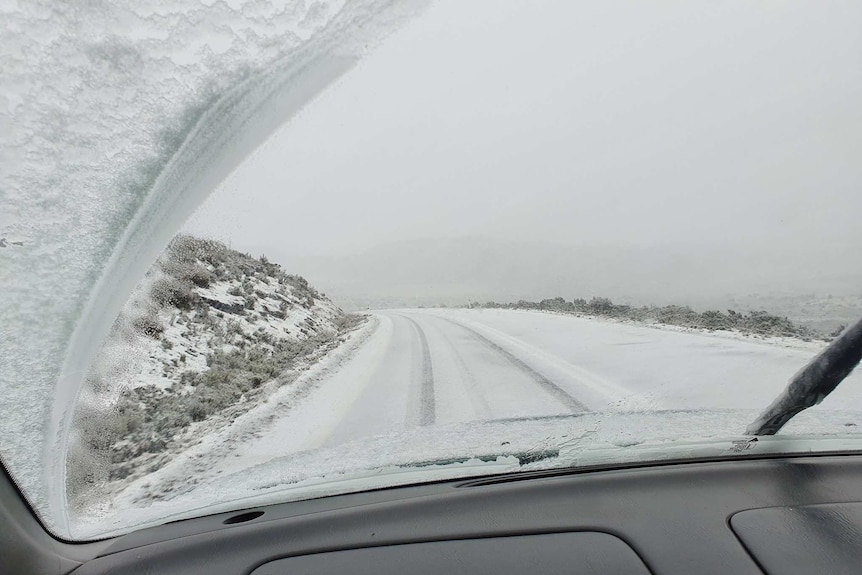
(608, 122)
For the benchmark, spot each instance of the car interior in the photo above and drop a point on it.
(789, 514)
(741, 505)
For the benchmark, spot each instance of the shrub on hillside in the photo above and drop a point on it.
(137, 430)
(149, 324)
(171, 291)
(755, 322)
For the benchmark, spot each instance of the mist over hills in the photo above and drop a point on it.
(431, 272)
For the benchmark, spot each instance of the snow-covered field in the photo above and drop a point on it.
(421, 386)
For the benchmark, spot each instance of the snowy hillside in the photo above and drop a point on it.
(207, 335)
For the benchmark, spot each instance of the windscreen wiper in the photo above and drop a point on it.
(813, 382)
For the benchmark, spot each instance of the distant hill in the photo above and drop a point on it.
(455, 271)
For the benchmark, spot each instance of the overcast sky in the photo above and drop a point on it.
(608, 122)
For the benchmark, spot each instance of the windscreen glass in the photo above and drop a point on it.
(259, 253)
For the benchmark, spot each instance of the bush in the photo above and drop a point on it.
(348, 321)
(555, 304)
(185, 271)
(170, 291)
(197, 410)
(149, 325)
(713, 320)
(198, 275)
(97, 432)
(85, 469)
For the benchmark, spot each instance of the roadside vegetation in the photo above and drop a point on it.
(753, 322)
(220, 331)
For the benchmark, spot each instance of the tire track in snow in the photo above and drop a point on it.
(552, 388)
(599, 390)
(470, 383)
(427, 413)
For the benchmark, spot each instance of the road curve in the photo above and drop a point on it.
(436, 370)
(439, 367)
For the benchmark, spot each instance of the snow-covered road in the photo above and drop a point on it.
(426, 367)
(425, 385)
(435, 370)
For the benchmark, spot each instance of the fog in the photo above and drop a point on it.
(501, 150)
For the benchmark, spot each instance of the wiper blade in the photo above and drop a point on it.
(813, 382)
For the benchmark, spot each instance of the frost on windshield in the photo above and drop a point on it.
(116, 119)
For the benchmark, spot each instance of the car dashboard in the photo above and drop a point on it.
(788, 514)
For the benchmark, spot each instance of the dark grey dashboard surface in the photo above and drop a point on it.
(674, 517)
(585, 553)
(823, 538)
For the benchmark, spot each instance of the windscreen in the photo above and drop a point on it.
(258, 253)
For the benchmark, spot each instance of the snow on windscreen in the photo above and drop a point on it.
(116, 118)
